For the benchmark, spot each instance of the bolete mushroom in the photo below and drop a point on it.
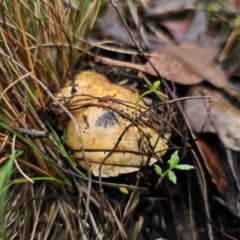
(105, 116)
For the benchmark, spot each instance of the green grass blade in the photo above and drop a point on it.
(32, 146)
(5, 175)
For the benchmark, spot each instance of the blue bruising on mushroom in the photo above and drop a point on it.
(107, 119)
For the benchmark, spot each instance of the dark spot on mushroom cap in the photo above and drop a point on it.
(107, 119)
(74, 90)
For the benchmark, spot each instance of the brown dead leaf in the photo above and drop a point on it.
(200, 60)
(178, 28)
(198, 25)
(169, 67)
(189, 64)
(223, 118)
(187, 28)
(217, 164)
(215, 160)
(112, 26)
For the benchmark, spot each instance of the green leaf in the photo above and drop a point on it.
(174, 160)
(172, 176)
(184, 167)
(158, 170)
(156, 85)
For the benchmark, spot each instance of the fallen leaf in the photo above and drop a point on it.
(188, 64)
(215, 160)
(177, 27)
(168, 67)
(187, 28)
(199, 59)
(198, 25)
(111, 25)
(223, 117)
(217, 164)
(172, 69)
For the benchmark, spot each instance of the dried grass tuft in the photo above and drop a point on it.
(40, 46)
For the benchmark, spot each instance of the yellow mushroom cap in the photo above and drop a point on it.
(104, 113)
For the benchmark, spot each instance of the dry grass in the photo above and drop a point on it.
(40, 42)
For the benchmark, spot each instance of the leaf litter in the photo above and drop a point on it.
(183, 60)
(193, 61)
(222, 118)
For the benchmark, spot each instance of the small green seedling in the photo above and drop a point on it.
(213, 10)
(152, 90)
(173, 164)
